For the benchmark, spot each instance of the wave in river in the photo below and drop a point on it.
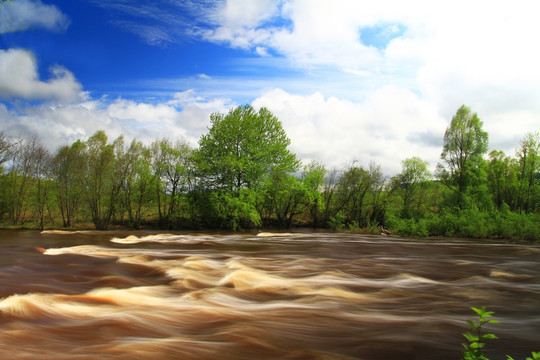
(272, 296)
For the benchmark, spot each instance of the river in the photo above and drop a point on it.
(260, 296)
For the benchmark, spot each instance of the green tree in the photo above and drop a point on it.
(243, 147)
(313, 179)
(234, 161)
(102, 180)
(285, 197)
(67, 171)
(529, 168)
(501, 176)
(412, 181)
(355, 195)
(42, 184)
(464, 145)
(136, 194)
(24, 162)
(172, 163)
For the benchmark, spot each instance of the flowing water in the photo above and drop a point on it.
(260, 296)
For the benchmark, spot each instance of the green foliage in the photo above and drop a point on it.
(245, 151)
(464, 144)
(411, 182)
(67, 170)
(411, 226)
(313, 179)
(337, 222)
(236, 211)
(355, 194)
(172, 170)
(244, 176)
(243, 147)
(535, 356)
(474, 347)
(102, 179)
(475, 338)
(467, 223)
(284, 196)
(528, 193)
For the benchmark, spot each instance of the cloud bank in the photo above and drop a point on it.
(350, 80)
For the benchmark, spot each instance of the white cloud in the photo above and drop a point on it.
(403, 93)
(247, 13)
(390, 124)
(24, 15)
(19, 78)
(385, 128)
(184, 117)
(379, 103)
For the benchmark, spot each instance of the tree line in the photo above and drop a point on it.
(242, 175)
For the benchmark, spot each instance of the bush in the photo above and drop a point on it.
(474, 347)
(337, 222)
(468, 223)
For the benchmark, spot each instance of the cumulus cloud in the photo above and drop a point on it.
(24, 15)
(338, 131)
(369, 81)
(19, 78)
(186, 116)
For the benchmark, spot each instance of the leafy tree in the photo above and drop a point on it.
(172, 163)
(233, 211)
(313, 179)
(236, 157)
(25, 161)
(42, 185)
(102, 180)
(464, 145)
(355, 195)
(134, 163)
(501, 176)
(243, 147)
(529, 167)
(412, 180)
(67, 169)
(352, 187)
(285, 196)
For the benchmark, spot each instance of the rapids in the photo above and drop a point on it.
(92, 295)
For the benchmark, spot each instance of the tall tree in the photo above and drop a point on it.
(412, 180)
(102, 182)
(242, 147)
(464, 145)
(135, 164)
(236, 156)
(528, 154)
(68, 173)
(285, 196)
(501, 176)
(313, 179)
(42, 185)
(25, 162)
(172, 163)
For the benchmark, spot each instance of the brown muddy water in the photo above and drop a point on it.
(265, 296)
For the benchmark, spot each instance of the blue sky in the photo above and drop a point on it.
(351, 80)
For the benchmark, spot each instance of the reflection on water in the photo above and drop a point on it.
(293, 296)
